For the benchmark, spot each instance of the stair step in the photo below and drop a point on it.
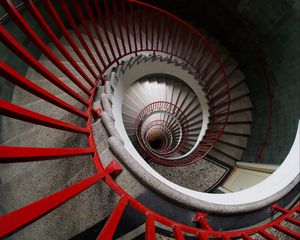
(232, 151)
(222, 157)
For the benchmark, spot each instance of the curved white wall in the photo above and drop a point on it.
(270, 187)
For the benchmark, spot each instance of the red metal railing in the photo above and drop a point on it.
(103, 59)
(169, 134)
(176, 113)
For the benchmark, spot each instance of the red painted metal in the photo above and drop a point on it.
(146, 25)
(152, 30)
(88, 32)
(45, 27)
(25, 215)
(125, 17)
(51, 10)
(10, 154)
(112, 28)
(172, 109)
(246, 236)
(110, 226)
(165, 20)
(12, 44)
(287, 231)
(174, 37)
(133, 28)
(14, 77)
(293, 221)
(78, 33)
(225, 237)
(266, 235)
(5, 16)
(11, 110)
(150, 227)
(116, 14)
(24, 26)
(158, 31)
(96, 30)
(177, 233)
(200, 218)
(103, 25)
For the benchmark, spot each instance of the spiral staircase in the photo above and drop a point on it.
(124, 119)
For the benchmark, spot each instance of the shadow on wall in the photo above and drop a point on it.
(274, 27)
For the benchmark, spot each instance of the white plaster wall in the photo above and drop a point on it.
(279, 180)
(154, 67)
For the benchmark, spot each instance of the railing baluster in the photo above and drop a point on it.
(180, 40)
(78, 33)
(112, 222)
(174, 39)
(158, 31)
(88, 32)
(266, 235)
(9, 154)
(202, 236)
(169, 35)
(51, 10)
(201, 219)
(125, 16)
(140, 26)
(16, 78)
(104, 28)
(24, 26)
(225, 237)
(116, 12)
(152, 31)
(112, 28)
(25, 215)
(246, 236)
(188, 51)
(45, 27)
(287, 231)
(293, 221)
(20, 51)
(133, 28)
(11, 110)
(166, 20)
(146, 27)
(92, 18)
(177, 233)
(150, 227)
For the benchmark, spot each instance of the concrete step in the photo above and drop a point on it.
(22, 97)
(32, 75)
(233, 152)
(222, 157)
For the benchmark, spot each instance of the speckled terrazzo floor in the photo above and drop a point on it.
(200, 176)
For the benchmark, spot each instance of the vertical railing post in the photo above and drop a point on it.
(150, 227)
(104, 28)
(112, 28)
(125, 16)
(116, 12)
(111, 224)
(133, 28)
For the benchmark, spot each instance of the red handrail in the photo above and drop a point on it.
(14, 220)
(177, 113)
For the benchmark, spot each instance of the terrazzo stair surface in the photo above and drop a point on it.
(18, 180)
(203, 175)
